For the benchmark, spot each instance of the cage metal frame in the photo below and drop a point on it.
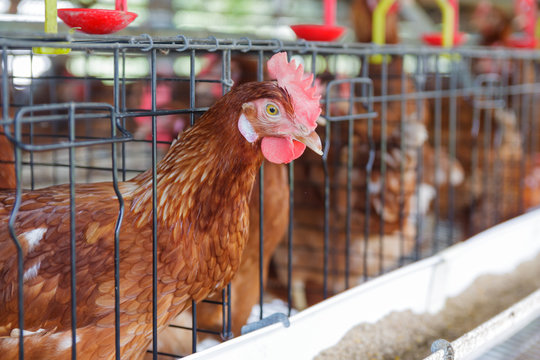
(119, 46)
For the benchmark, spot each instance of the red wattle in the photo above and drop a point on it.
(281, 150)
(298, 148)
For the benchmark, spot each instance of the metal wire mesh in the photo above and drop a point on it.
(421, 150)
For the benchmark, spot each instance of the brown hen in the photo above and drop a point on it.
(203, 188)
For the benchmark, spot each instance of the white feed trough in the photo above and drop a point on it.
(421, 287)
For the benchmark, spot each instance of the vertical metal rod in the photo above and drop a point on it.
(192, 87)
(120, 214)
(326, 238)
(226, 71)
(419, 216)
(498, 170)
(17, 203)
(117, 250)
(419, 79)
(87, 89)
(194, 326)
(403, 118)
(505, 82)
(291, 228)
(498, 167)
(226, 81)
(384, 104)
(229, 315)
(369, 171)
(124, 109)
(452, 145)
(72, 233)
(261, 240)
(350, 150)
(369, 165)
(524, 134)
(437, 141)
(55, 127)
(534, 112)
(290, 235)
(31, 103)
(226, 306)
(260, 77)
(260, 65)
(516, 77)
(486, 208)
(475, 133)
(223, 312)
(154, 206)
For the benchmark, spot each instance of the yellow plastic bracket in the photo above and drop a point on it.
(378, 27)
(537, 32)
(51, 27)
(448, 22)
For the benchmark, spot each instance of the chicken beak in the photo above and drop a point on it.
(312, 141)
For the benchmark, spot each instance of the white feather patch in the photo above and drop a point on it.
(33, 237)
(65, 342)
(32, 272)
(16, 332)
(375, 187)
(246, 129)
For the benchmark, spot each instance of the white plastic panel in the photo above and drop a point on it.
(420, 287)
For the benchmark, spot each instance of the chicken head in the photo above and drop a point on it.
(284, 129)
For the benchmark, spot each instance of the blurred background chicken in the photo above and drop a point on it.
(390, 226)
(531, 184)
(493, 24)
(487, 139)
(387, 230)
(7, 168)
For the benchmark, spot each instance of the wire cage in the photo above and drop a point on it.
(423, 147)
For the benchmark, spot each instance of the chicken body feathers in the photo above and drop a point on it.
(203, 187)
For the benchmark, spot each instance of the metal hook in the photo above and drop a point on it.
(228, 82)
(279, 43)
(186, 43)
(306, 46)
(249, 44)
(442, 344)
(212, 37)
(150, 41)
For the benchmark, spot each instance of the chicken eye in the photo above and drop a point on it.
(272, 109)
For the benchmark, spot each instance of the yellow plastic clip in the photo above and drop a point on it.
(537, 32)
(448, 12)
(51, 27)
(378, 28)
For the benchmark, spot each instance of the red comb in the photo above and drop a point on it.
(305, 97)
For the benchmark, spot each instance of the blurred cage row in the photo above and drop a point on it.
(423, 147)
